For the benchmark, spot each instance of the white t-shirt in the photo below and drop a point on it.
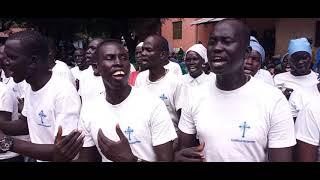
(17, 88)
(90, 86)
(8, 103)
(265, 76)
(142, 117)
(294, 82)
(300, 97)
(174, 67)
(308, 123)
(57, 103)
(238, 125)
(168, 88)
(187, 79)
(62, 70)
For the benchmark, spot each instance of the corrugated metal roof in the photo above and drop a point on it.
(206, 20)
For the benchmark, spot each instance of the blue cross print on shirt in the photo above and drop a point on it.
(243, 127)
(42, 117)
(131, 138)
(163, 97)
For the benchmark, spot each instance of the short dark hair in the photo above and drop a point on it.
(105, 42)
(163, 42)
(33, 43)
(109, 41)
(244, 30)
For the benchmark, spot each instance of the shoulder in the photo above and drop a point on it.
(265, 72)
(142, 75)
(185, 78)
(173, 77)
(145, 97)
(61, 85)
(314, 74)
(265, 90)
(282, 75)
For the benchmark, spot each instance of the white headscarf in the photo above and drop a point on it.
(200, 49)
(256, 46)
(140, 44)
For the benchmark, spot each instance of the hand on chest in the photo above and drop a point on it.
(134, 127)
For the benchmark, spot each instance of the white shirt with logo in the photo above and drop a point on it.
(8, 103)
(142, 117)
(57, 103)
(238, 125)
(169, 88)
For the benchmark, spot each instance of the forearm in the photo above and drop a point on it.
(37, 151)
(14, 128)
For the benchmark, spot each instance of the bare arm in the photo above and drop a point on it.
(164, 151)
(188, 149)
(306, 152)
(186, 140)
(280, 154)
(37, 151)
(13, 128)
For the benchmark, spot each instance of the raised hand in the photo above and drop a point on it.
(68, 147)
(192, 154)
(118, 151)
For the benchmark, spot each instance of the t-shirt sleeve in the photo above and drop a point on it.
(186, 122)
(84, 125)
(308, 127)
(281, 132)
(162, 128)
(178, 95)
(295, 103)
(67, 110)
(7, 101)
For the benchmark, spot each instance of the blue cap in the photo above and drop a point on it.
(296, 45)
(256, 46)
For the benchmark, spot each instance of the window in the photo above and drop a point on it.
(177, 30)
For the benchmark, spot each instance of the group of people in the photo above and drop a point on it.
(226, 108)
